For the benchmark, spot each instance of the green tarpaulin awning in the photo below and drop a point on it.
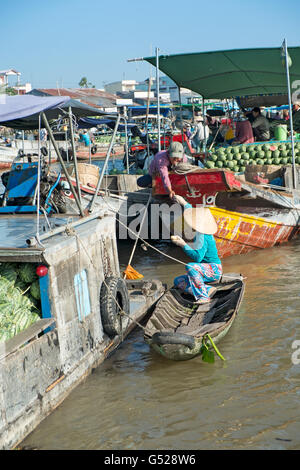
(232, 73)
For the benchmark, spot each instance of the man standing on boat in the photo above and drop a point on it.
(200, 134)
(296, 116)
(260, 125)
(160, 165)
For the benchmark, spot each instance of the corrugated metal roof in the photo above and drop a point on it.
(90, 96)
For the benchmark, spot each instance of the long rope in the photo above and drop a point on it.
(138, 235)
(71, 231)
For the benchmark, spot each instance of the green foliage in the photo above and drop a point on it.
(85, 84)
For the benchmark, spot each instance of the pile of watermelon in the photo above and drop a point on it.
(236, 158)
(20, 304)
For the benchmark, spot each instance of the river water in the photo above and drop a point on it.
(137, 400)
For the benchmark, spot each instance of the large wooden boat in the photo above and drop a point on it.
(249, 216)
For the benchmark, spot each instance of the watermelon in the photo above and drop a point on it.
(298, 145)
(230, 164)
(242, 169)
(281, 147)
(276, 154)
(210, 164)
(219, 164)
(266, 147)
(228, 150)
(236, 169)
(268, 154)
(238, 157)
(276, 161)
(229, 157)
(259, 161)
(243, 148)
(9, 271)
(245, 156)
(283, 153)
(252, 154)
(261, 154)
(213, 157)
(269, 161)
(35, 290)
(235, 150)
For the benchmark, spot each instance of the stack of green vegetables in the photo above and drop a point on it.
(19, 298)
(236, 158)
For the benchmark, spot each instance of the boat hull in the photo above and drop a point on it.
(181, 343)
(241, 233)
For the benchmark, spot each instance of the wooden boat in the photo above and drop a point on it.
(249, 216)
(178, 326)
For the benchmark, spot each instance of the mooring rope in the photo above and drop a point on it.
(70, 231)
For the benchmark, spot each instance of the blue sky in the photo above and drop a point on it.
(57, 42)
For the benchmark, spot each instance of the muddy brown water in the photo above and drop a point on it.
(137, 400)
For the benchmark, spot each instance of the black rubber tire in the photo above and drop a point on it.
(94, 149)
(173, 338)
(113, 288)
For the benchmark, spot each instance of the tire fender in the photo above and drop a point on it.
(112, 289)
(173, 338)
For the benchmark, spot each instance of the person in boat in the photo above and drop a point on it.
(200, 134)
(296, 116)
(260, 125)
(161, 164)
(84, 138)
(243, 132)
(207, 266)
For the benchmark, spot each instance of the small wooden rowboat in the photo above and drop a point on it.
(178, 327)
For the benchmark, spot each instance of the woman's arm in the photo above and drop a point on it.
(197, 252)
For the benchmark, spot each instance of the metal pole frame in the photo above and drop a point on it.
(204, 125)
(62, 163)
(38, 182)
(290, 111)
(74, 154)
(91, 207)
(158, 101)
(126, 142)
(181, 118)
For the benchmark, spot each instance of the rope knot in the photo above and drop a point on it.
(70, 231)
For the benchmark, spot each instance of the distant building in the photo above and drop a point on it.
(124, 86)
(18, 87)
(168, 91)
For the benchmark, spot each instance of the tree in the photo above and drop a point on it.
(85, 84)
(10, 91)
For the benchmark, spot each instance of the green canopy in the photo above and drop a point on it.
(232, 73)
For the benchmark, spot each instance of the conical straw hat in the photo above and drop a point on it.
(201, 220)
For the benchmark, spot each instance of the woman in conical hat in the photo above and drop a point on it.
(207, 266)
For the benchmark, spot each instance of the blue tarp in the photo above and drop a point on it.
(86, 123)
(22, 112)
(142, 110)
(21, 106)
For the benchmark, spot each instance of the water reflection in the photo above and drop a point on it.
(139, 400)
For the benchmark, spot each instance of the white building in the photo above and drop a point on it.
(123, 86)
(4, 81)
